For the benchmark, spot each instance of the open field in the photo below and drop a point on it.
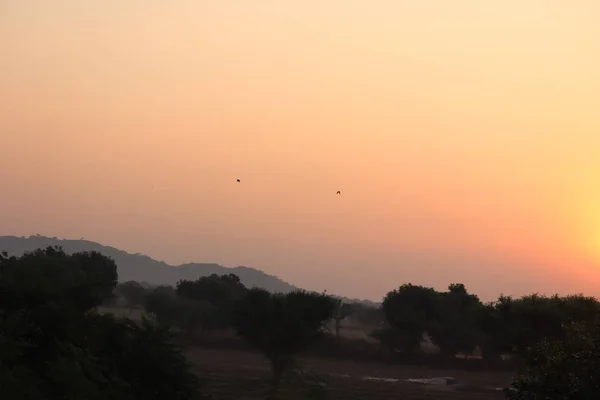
(238, 375)
(132, 313)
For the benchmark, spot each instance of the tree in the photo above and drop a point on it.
(368, 315)
(408, 311)
(514, 325)
(101, 273)
(388, 338)
(281, 325)
(171, 310)
(54, 345)
(145, 358)
(342, 311)
(219, 291)
(162, 302)
(454, 327)
(524, 322)
(567, 368)
(133, 292)
(81, 281)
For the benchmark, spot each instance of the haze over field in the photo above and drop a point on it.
(462, 135)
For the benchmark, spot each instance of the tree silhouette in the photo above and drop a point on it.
(54, 346)
(342, 311)
(217, 293)
(408, 311)
(567, 368)
(133, 292)
(454, 328)
(281, 325)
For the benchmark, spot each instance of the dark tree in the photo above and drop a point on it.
(101, 273)
(367, 315)
(54, 346)
(567, 368)
(454, 328)
(133, 292)
(408, 311)
(170, 310)
(281, 325)
(163, 304)
(81, 281)
(342, 311)
(217, 293)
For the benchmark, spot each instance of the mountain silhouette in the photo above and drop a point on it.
(141, 268)
(144, 269)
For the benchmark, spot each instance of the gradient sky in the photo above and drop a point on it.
(464, 136)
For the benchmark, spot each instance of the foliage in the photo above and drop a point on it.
(408, 311)
(133, 292)
(54, 345)
(217, 293)
(145, 357)
(281, 325)
(457, 321)
(162, 303)
(454, 327)
(565, 368)
(367, 315)
(81, 281)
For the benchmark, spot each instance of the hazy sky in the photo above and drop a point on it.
(464, 136)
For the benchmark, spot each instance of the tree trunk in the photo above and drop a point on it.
(277, 369)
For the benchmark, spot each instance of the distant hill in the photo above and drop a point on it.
(141, 268)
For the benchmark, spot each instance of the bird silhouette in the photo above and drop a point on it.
(238, 180)
(338, 192)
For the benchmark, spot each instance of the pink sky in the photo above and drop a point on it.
(463, 135)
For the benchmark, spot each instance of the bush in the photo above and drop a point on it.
(567, 368)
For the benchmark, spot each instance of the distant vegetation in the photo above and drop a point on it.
(543, 334)
(51, 337)
(455, 321)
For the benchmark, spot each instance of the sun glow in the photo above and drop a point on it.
(586, 233)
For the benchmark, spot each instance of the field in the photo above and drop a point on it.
(239, 375)
(123, 312)
(242, 375)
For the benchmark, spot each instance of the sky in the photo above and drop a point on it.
(464, 137)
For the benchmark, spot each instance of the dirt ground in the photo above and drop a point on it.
(233, 374)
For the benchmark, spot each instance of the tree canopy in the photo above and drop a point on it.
(54, 345)
(281, 325)
(458, 322)
(561, 368)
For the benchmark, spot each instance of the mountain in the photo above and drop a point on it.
(141, 268)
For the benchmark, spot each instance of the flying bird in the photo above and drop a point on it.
(338, 192)
(238, 180)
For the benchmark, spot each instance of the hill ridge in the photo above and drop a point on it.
(143, 268)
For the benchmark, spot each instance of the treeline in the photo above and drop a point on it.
(456, 321)
(205, 305)
(55, 345)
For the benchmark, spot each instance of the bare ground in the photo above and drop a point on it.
(236, 374)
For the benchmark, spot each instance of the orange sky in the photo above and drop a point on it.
(464, 136)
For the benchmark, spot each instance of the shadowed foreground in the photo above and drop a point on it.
(245, 375)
